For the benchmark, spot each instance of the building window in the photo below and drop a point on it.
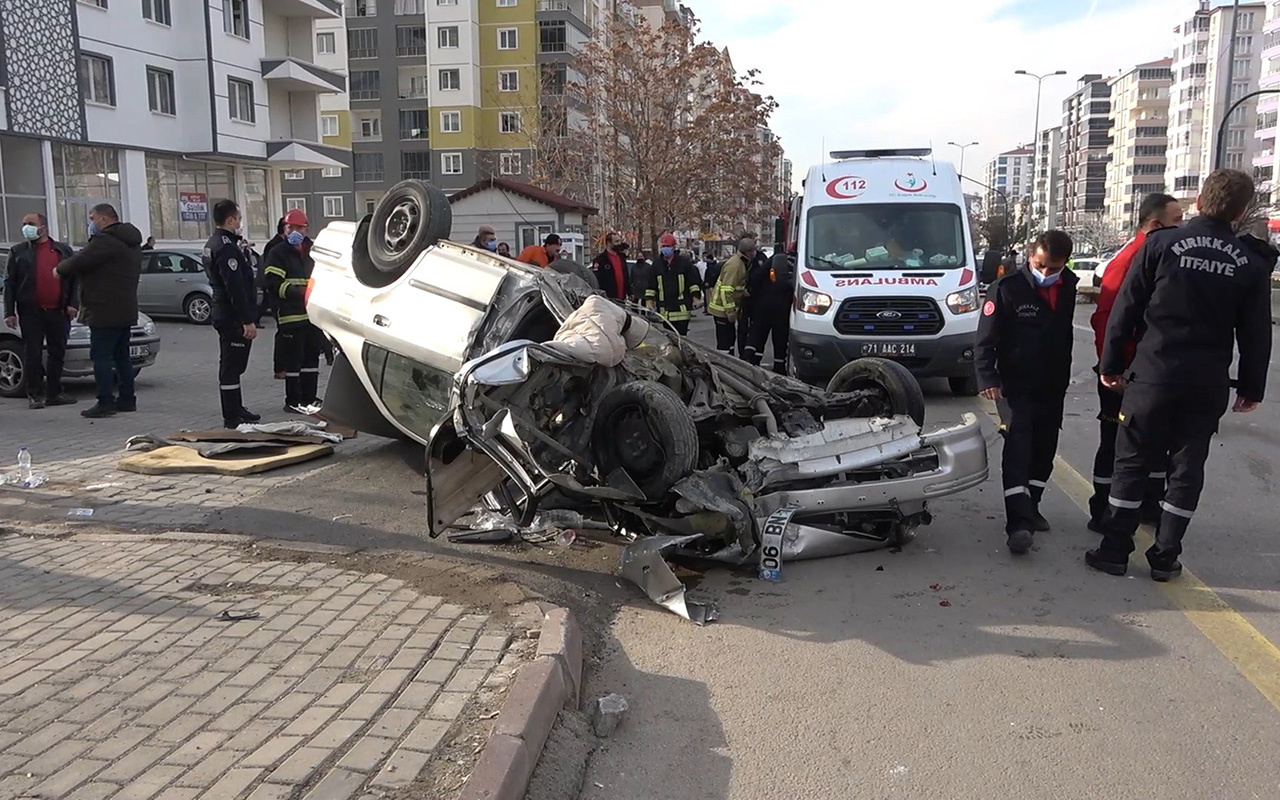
(367, 167)
(413, 124)
(407, 7)
(508, 38)
(295, 175)
(369, 206)
(160, 91)
(331, 172)
(95, 3)
(295, 203)
(97, 80)
(362, 43)
(371, 128)
(326, 44)
(157, 11)
(365, 84)
(168, 176)
(416, 164)
(508, 80)
(328, 125)
(1246, 20)
(447, 37)
(411, 40)
(240, 100)
(506, 3)
(1234, 160)
(509, 122)
(333, 206)
(552, 37)
(1241, 68)
(450, 80)
(413, 82)
(451, 122)
(235, 17)
(509, 164)
(450, 163)
(362, 8)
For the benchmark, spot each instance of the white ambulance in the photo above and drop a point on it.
(884, 267)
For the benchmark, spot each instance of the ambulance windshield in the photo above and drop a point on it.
(885, 236)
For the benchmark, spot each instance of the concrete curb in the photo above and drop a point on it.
(542, 688)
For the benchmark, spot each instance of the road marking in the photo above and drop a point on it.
(1257, 658)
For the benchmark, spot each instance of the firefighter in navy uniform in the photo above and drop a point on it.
(235, 308)
(287, 272)
(675, 288)
(1193, 293)
(1025, 339)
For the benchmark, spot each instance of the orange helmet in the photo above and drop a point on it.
(296, 217)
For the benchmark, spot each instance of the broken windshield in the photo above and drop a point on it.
(885, 236)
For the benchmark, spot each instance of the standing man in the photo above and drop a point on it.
(108, 269)
(772, 291)
(300, 343)
(641, 277)
(541, 255)
(675, 288)
(1024, 357)
(486, 239)
(711, 275)
(151, 243)
(235, 308)
(610, 267)
(1156, 212)
(504, 250)
(44, 304)
(725, 302)
(1197, 291)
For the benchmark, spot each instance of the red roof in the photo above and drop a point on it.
(558, 202)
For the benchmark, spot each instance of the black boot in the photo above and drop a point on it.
(1112, 555)
(1163, 555)
(1019, 513)
(248, 416)
(1098, 506)
(1037, 521)
(99, 410)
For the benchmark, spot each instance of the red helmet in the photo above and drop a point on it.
(296, 217)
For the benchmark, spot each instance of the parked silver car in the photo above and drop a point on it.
(144, 346)
(174, 284)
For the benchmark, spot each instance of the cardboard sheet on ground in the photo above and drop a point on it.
(178, 459)
(237, 436)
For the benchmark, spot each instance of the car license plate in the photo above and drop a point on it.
(889, 349)
(139, 351)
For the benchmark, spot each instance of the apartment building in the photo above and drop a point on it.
(1048, 181)
(1265, 159)
(659, 12)
(1009, 181)
(160, 108)
(1086, 125)
(1139, 138)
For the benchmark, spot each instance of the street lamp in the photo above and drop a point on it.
(962, 147)
(1035, 137)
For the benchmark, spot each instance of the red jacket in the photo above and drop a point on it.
(1112, 280)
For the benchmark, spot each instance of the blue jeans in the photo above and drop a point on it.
(109, 352)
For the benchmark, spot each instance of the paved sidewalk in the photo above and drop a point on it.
(118, 680)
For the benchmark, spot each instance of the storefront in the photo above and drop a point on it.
(22, 184)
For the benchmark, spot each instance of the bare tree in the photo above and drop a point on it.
(1096, 234)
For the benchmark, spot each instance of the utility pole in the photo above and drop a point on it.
(1035, 137)
(1219, 152)
(962, 147)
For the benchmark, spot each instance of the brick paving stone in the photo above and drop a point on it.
(299, 767)
(209, 769)
(367, 754)
(178, 793)
(62, 782)
(394, 722)
(448, 706)
(437, 670)
(38, 742)
(251, 736)
(426, 735)
(339, 784)
(232, 784)
(340, 694)
(272, 751)
(389, 681)
(417, 696)
(237, 716)
(197, 748)
(337, 733)
(466, 680)
(94, 791)
(272, 791)
(310, 721)
(150, 783)
(133, 763)
(56, 757)
(401, 769)
(366, 706)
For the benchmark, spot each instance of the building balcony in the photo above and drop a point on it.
(1264, 158)
(1266, 134)
(1269, 81)
(298, 154)
(1268, 102)
(574, 12)
(1270, 52)
(296, 75)
(316, 9)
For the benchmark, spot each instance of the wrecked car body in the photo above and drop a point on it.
(530, 391)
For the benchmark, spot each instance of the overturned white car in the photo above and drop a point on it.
(530, 391)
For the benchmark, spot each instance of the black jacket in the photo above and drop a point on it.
(1195, 291)
(1024, 346)
(108, 269)
(673, 286)
(20, 279)
(771, 285)
(229, 265)
(712, 273)
(602, 268)
(286, 274)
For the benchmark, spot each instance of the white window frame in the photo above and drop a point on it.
(233, 102)
(331, 172)
(170, 97)
(451, 115)
(369, 206)
(298, 203)
(503, 74)
(86, 62)
(158, 11)
(504, 127)
(228, 18)
(102, 4)
(510, 164)
(513, 33)
(375, 124)
(507, 3)
(440, 37)
(295, 175)
(457, 85)
(333, 206)
(327, 36)
(325, 120)
(405, 8)
(450, 159)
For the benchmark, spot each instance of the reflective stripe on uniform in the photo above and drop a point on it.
(289, 282)
(292, 374)
(1038, 484)
(287, 318)
(275, 271)
(1016, 491)
(1118, 503)
(1158, 475)
(234, 386)
(311, 369)
(1177, 512)
(1101, 481)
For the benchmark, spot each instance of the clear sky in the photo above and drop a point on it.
(878, 72)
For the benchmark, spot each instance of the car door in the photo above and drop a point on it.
(149, 284)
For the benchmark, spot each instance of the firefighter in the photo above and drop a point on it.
(287, 272)
(1156, 212)
(675, 288)
(771, 288)
(1195, 290)
(228, 265)
(1025, 336)
(725, 302)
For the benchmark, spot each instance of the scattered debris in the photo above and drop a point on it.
(945, 604)
(93, 487)
(935, 586)
(80, 512)
(880, 568)
(341, 516)
(237, 616)
(32, 481)
(608, 712)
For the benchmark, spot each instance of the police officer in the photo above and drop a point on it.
(1194, 290)
(676, 286)
(1023, 357)
(235, 308)
(287, 273)
(771, 288)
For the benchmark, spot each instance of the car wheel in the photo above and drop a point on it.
(410, 217)
(966, 386)
(13, 381)
(644, 428)
(198, 308)
(892, 389)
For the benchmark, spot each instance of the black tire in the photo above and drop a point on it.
(410, 217)
(644, 428)
(966, 386)
(198, 308)
(897, 389)
(13, 374)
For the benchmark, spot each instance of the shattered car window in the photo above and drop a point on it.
(417, 395)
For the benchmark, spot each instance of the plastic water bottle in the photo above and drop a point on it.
(24, 466)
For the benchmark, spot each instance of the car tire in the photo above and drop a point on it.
(411, 217)
(898, 390)
(964, 386)
(644, 428)
(198, 308)
(13, 378)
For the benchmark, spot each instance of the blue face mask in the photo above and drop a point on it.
(1046, 280)
(93, 228)
(294, 238)
(30, 232)
(668, 252)
(492, 246)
